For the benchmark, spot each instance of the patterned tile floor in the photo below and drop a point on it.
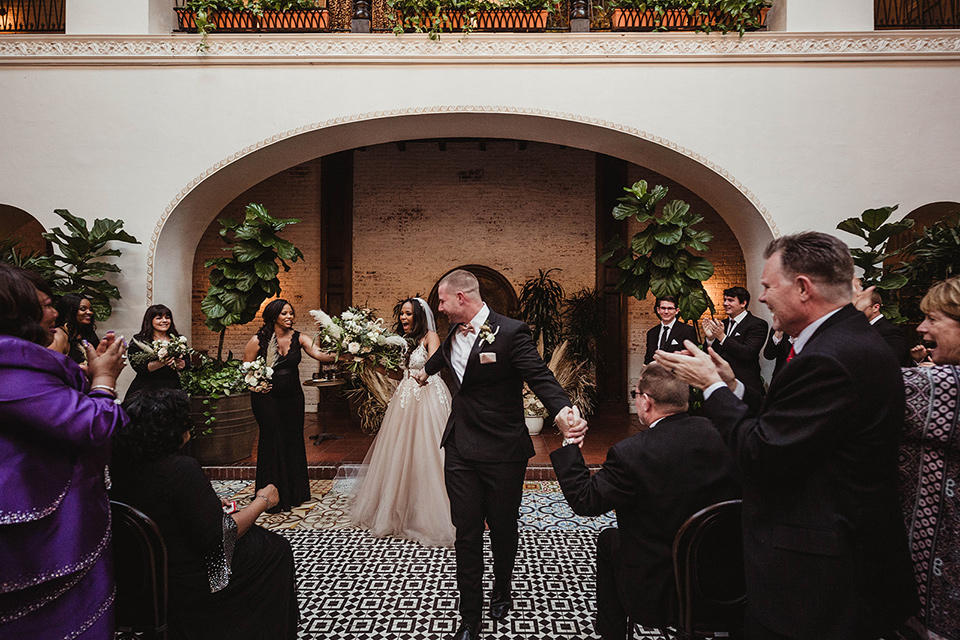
(353, 586)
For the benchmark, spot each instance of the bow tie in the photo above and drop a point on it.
(466, 329)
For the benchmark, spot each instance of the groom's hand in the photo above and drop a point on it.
(571, 424)
(421, 377)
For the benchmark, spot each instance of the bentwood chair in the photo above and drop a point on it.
(140, 566)
(708, 566)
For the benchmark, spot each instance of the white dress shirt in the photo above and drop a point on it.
(461, 345)
(665, 327)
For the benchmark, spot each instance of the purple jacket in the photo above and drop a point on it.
(54, 445)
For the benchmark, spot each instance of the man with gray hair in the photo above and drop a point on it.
(486, 443)
(655, 479)
(825, 549)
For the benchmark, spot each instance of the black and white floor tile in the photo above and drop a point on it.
(353, 586)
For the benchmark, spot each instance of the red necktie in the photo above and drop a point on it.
(791, 354)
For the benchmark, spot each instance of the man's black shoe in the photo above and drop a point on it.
(500, 605)
(466, 632)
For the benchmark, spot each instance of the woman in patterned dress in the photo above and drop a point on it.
(400, 491)
(930, 467)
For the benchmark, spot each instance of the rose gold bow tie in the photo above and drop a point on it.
(466, 329)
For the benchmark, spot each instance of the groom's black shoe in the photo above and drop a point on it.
(500, 604)
(466, 632)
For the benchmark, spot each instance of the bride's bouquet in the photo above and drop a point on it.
(257, 374)
(358, 332)
(174, 347)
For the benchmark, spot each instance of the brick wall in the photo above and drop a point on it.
(422, 211)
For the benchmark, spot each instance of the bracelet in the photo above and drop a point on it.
(264, 497)
(104, 387)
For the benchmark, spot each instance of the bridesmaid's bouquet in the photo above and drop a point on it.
(358, 332)
(257, 374)
(174, 347)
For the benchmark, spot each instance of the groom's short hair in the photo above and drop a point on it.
(461, 280)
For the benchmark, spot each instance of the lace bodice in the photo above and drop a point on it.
(410, 388)
(418, 359)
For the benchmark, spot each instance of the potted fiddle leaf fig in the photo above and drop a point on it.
(239, 283)
(658, 259)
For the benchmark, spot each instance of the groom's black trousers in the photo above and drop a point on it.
(482, 492)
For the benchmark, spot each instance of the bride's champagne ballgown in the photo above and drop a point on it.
(401, 491)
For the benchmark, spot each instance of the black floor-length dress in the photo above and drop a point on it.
(165, 377)
(220, 586)
(281, 454)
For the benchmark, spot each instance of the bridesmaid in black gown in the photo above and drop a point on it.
(75, 323)
(229, 579)
(281, 454)
(155, 374)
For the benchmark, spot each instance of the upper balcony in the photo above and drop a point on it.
(75, 17)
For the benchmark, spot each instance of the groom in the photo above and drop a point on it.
(486, 442)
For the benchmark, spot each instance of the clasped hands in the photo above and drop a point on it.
(697, 368)
(571, 424)
(713, 329)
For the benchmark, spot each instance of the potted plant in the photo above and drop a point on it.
(539, 302)
(512, 15)
(238, 286)
(533, 411)
(428, 16)
(657, 259)
(204, 16)
(292, 15)
(688, 15)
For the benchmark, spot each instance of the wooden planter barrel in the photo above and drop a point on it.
(233, 432)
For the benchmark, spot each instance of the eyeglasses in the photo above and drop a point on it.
(667, 308)
(636, 392)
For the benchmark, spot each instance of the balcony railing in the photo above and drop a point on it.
(917, 14)
(32, 16)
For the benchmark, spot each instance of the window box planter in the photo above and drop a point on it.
(512, 20)
(234, 21)
(623, 19)
(186, 19)
(295, 20)
(447, 21)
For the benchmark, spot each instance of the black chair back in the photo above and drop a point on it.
(708, 565)
(140, 566)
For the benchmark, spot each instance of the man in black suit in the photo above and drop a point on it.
(655, 479)
(825, 550)
(869, 303)
(777, 349)
(669, 334)
(486, 442)
(740, 338)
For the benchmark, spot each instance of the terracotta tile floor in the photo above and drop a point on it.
(324, 460)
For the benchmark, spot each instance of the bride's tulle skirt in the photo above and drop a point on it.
(400, 491)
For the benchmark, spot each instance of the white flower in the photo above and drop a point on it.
(250, 379)
(268, 372)
(162, 353)
(353, 347)
(395, 341)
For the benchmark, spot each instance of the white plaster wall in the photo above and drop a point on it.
(814, 141)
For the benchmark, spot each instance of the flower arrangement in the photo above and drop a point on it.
(487, 334)
(257, 375)
(174, 347)
(532, 407)
(359, 333)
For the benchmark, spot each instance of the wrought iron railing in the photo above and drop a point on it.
(32, 16)
(917, 14)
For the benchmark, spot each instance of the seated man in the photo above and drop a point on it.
(655, 479)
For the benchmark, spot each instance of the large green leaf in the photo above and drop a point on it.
(614, 245)
(626, 262)
(287, 251)
(878, 237)
(693, 303)
(211, 306)
(234, 301)
(245, 251)
(266, 269)
(892, 281)
(699, 269)
(246, 282)
(668, 286)
(873, 218)
(663, 257)
(675, 211)
(623, 211)
(644, 242)
(854, 226)
(668, 234)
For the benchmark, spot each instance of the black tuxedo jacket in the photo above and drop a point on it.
(742, 350)
(678, 334)
(825, 549)
(777, 352)
(655, 479)
(894, 337)
(486, 419)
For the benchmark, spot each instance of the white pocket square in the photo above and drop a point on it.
(674, 342)
(487, 358)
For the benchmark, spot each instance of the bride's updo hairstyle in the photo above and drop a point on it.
(418, 328)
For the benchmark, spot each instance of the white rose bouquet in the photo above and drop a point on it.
(361, 334)
(175, 347)
(257, 375)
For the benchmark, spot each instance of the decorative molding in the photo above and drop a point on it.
(378, 115)
(476, 48)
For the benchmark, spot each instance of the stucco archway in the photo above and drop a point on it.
(177, 233)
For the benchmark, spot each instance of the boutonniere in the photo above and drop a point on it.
(487, 334)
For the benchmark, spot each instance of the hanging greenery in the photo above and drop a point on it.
(658, 258)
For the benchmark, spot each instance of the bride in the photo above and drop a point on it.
(400, 491)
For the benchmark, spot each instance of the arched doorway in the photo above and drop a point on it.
(19, 227)
(190, 215)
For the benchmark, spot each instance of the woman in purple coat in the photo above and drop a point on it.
(56, 574)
